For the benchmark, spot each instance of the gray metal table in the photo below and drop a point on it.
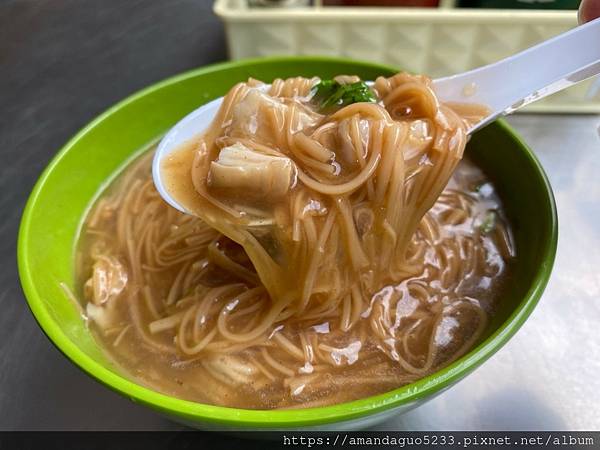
(64, 61)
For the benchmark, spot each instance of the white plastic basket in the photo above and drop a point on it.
(435, 41)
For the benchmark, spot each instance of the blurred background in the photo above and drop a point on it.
(62, 62)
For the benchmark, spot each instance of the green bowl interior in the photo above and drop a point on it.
(529, 205)
(76, 176)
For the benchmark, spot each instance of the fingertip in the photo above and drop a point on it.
(588, 10)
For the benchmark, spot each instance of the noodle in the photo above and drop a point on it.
(330, 259)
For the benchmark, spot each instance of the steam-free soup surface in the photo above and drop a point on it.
(340, 250)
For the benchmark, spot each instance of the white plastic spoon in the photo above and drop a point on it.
(503, 87)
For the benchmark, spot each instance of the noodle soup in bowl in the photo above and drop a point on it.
(64, 207)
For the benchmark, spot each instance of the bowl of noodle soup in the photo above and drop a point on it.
(63, 257)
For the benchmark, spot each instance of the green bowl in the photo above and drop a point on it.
(83, 167)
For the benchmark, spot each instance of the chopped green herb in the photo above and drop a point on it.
(325, 89)
(489, 222)
(330, 93)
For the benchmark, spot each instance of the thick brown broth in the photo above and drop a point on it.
(348, 365)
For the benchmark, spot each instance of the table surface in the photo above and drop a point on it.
(64, 61)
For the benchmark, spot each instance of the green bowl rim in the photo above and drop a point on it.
(184, 409)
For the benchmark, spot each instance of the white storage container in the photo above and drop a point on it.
(435, 41)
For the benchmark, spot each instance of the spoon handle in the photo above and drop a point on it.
(530, 75)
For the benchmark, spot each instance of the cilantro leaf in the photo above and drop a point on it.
(330, 94)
